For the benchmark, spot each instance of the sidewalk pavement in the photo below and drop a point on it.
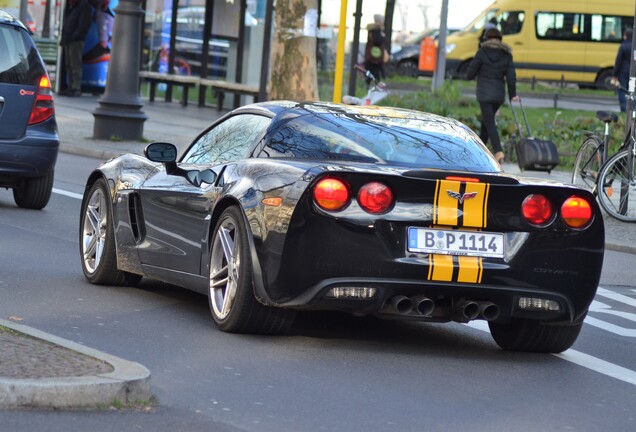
(67, 374)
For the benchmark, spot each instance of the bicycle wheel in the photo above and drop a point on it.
(587, 164)
(616, 186)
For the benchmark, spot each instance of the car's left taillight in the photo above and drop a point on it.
(43, 106)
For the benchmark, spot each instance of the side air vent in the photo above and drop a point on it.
(134, 214)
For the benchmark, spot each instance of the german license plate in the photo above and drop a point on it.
(454, 242)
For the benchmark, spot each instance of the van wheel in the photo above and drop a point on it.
(603, 81)
(34, 193)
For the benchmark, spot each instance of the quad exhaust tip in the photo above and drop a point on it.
(463, 311)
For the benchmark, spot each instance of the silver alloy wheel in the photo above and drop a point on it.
(94, 231)
(225, 262)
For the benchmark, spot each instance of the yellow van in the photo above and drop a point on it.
(570, 40)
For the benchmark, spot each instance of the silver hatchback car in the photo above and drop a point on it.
(29, 140)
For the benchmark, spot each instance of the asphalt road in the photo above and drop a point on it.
(332, 373)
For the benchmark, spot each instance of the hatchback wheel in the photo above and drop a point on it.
(97, 240)
(34, 193)
(231, 293)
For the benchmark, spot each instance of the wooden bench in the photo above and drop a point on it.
(47, 47)
(221, 87)
(184, 81)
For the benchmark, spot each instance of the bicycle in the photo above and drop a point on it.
(592, 154)
(376, 92)
(617, 179)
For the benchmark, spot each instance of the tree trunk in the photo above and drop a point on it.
(293, 57)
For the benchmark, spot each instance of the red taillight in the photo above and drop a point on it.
(536, 209)
(576, 212)
(375, 197)
(43, 105)
(331, 194)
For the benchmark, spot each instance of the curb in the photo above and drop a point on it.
(129, 382)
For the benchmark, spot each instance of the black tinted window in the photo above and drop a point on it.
(431, 143)
(227, 141)
(19, 60)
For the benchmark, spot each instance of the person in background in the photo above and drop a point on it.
(77, 20)
(493, 67)
(621, 68)
(375, 50)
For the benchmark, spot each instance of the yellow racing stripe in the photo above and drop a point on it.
(475, 206)
(446, 206)
(469, 269)
(441, 268)
(473, 202)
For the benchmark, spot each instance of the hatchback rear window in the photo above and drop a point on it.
(19, 60)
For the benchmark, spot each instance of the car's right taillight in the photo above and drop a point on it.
(576, 212)
(331, 194)
(43, 105)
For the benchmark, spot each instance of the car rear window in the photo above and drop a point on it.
(429, 142)
(19, 60)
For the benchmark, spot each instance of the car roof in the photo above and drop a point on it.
(328, 109)
(7, 18)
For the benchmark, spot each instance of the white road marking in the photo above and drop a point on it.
(67, 193)
(581, 359)
(616, 296)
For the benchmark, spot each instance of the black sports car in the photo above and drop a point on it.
(281, 206)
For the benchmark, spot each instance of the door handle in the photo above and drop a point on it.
(518, 43)
(1, 99)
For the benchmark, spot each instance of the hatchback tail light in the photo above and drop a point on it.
(375, 198)
(576, 212)
(43, 105)
(331, 194)
(537, 209)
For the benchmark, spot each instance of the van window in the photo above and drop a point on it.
(511, 22)
(609, 28)
(581, 27)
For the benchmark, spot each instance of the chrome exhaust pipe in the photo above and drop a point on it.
(488, 311)
(423, 305)
(466, 310)
(402, 304)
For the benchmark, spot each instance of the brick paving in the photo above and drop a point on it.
(22, 356)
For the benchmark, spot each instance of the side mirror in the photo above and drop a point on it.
(161, 152)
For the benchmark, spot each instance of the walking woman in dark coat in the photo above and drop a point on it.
(492, 66)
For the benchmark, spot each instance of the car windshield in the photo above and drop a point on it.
(19, 61)
(427, 141)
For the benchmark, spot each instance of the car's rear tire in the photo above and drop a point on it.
(534, 336)
(35, 192)
(97, 240)
(231, 293)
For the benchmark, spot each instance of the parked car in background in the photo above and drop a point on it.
(282, 206)
(406, 55)
(29, 140)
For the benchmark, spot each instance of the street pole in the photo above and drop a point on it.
(119, 114)
(355, 48)
(342, 33)
(440, 68)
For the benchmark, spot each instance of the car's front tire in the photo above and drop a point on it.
(534, 336)
(97, 240)
(231, 293)
(35, 192)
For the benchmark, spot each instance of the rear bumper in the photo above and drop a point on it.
(32, 156)
(445, 300)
